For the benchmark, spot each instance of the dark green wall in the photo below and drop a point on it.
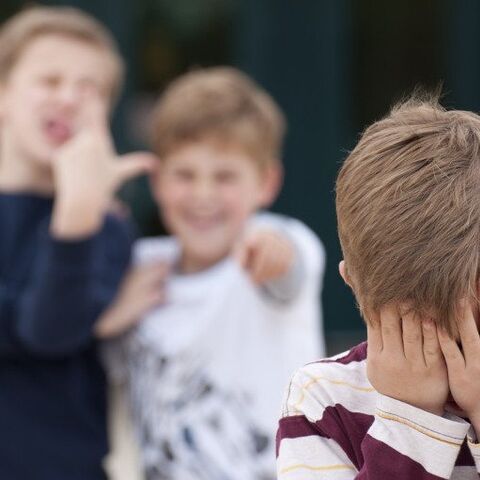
(301, 55)
(333, 65)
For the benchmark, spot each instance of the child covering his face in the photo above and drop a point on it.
(407, 405)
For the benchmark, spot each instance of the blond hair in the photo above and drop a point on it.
(21, 29)
(408, 208)
(221, 104)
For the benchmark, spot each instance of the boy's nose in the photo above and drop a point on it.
(69, 96)
(204, 190)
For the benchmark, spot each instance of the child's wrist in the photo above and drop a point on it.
(74, 219)
(103, 329)
(107, 324)
(434, 410)
(114, 323)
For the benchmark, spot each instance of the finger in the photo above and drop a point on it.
(132, 165)
(157, 298)
(283, 257)
(241, 254)
(391, 327)
(158, 282)
(451, 351)
(431, 346)
(153, 273)
(260, 268)
(271, 254)
(154, 279)
(147, 302)
(468, 330)
(278, 265)
(374, 335)
(246, 253)
(412, 335)
(154, 266)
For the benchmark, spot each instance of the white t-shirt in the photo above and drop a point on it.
(207, 370)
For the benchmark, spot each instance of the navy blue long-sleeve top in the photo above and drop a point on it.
(52, 386)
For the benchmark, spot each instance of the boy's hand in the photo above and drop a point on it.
(464, 367)
(404, 360)
(142, 289)
(265, 255)
(87, 173)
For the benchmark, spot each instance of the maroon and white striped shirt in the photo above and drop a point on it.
(335, 426)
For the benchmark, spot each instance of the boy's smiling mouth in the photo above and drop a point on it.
(203, 222)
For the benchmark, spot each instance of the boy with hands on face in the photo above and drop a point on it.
(405, 404)
(205, 370)
(62, 255)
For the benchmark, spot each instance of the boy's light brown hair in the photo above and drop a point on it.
(223, 105)
(24, 27)
(408, 208)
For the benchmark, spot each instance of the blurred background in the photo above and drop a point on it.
(334, 66)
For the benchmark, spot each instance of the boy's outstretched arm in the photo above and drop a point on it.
(331, 430)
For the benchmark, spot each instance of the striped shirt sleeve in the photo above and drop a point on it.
(336, 427)
(474, 447)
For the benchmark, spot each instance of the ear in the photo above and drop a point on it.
(272, 181)
(344, 274)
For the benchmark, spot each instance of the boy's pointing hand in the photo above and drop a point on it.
(404, 359)
(265, 255)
